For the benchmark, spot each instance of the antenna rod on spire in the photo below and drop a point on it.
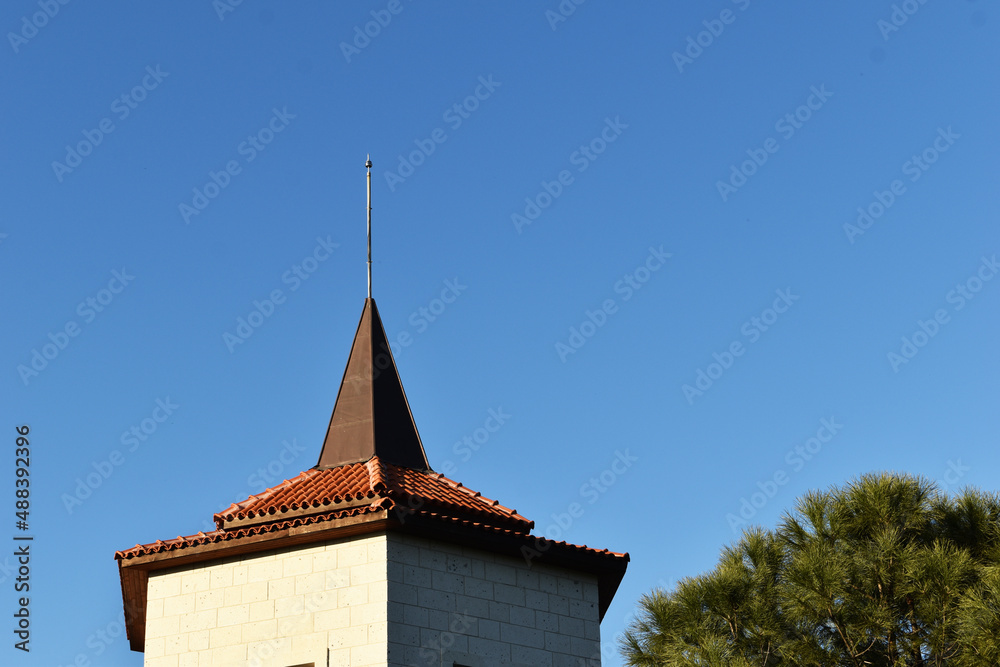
(368, 165)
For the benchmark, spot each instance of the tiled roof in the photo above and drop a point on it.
(324, 490)
(200, 538)
(470, 527)
(353, 490)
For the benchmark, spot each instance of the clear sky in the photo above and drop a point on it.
(701, 257)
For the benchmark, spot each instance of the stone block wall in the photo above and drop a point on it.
(274, 609)
(388, 600)
(449, 605)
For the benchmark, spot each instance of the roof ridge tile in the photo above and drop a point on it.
(376, 475)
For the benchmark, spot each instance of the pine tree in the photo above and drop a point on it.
(884, 572)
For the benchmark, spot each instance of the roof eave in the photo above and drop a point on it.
(609, 567)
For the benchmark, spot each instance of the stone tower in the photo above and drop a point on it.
(370, 558)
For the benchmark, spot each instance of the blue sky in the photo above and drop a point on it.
(815, 185)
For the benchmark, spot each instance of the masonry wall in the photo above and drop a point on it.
(451, 605)
(378, 601)
(276, 609)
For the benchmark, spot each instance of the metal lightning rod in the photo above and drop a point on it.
(368, 165)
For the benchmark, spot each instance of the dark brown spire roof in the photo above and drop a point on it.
(371, 416)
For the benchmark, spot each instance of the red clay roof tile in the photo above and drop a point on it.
(333, 493)
(223, 535)
(325, 489)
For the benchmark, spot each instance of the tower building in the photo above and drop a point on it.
(370, 558)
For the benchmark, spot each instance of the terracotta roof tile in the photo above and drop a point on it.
(161, 546)
(351, 490)
(221, 535)
(324, 489)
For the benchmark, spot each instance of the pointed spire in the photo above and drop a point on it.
(372, 416)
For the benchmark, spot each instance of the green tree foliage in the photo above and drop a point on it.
(884, 572)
